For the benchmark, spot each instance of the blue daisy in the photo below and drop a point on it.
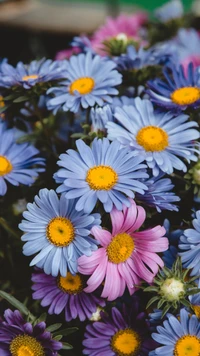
(187, 45)
(157, 137)
(91, 80)
(57, 233)
(171, 254)
(178, 337)
(18, 162)
(178, 91)
(159, 194)
(27, 76)
(190, 245)
(103, 172)
(169, 11)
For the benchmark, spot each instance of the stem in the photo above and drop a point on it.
(87, 121)
(7, 228)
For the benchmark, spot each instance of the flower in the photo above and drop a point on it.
(17, 337)
(120, 334)
(103, 172)
(65, 293)
(171, 10)
(57, 233)
(67, 53)
(91, 80)
(159, 194)
(126, 256)
(27, 76)
(171, 254)
(124, 27)
(157, 137)
(179, 337)
(195, 302)
(190, 245)
(179, 91)
(18, 162)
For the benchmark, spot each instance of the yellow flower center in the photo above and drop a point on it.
(188, 345)
(5, 166)
(32, 76)
(25, 345)
(196, 309)
(120, 248)
(71, 284)
(2, 103)
(185, 96)
(126, 343)
(60, 231)
(152, 138)
(83, 85)
(101, 178)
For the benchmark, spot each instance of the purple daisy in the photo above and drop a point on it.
(65, 293)
(17, 337)
(126, 334)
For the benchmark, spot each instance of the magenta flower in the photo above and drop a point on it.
(123, 27)
(126, 256)
(67, 53)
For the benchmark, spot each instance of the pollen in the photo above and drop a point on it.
(5, 166)
(185, 96)
(25, 345)
(60, 231)
(71, 284)
(120, 248)
(28, 77)
(101, 178)
(188, 345)
(83, 85)
(126, 343)
(152, 138)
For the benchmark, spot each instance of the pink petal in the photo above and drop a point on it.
(101, 235)
(117, 220)
(87, 264)
(139, 268)
(150, 234)
(97, 277)
(112, 287)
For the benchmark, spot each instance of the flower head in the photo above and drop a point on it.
(57, 233)
(179, 90)
(20, 338)
(124, 334)
(159, 137)
(91, 80)
(65, 293)
(171, 10)
(179, 337)
(18, 162)
(124, 28)
(103, 172)
(190, 245)
(29, 75)
(125, 256)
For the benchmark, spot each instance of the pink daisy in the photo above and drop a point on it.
(123, 27)
(127, 256)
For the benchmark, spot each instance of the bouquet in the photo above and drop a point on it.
(100, 192)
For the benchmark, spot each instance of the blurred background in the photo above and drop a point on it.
(35, 28)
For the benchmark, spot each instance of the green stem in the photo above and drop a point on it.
(7, 228)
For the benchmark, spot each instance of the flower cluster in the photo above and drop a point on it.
(99, 181)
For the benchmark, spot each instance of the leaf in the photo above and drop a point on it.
(3, 108)
(151, 301)
(42, 317)
(16, 303)
(66, 346)
(20, 99)
(53, 327)
(66, 332)
(58, 337)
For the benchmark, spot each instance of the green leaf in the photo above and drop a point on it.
(151, 301)
(54, 327)
(151, 289)
(58, 337)
(66, 346)
(20, 99)
(66, 332)
(42, 317)
(16, 303)
(3, 108)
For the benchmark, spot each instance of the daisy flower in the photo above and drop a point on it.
(179, 337)
(169, 11)
(57, 233)
(120, 334)
(125, 256)
(190, 245)
(91, 80)
(103, 172)
(27, 76)
(18, 162)
(65, 293)
(157, 137)
(18, 338)
(179, 90)
(124, 27)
